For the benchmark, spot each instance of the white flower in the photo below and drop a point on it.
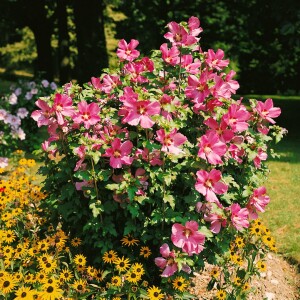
(13, 99)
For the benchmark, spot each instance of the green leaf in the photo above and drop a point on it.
(169, 199)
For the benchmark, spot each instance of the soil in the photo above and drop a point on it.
(281, 281)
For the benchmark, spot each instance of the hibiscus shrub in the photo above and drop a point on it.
(158, 153)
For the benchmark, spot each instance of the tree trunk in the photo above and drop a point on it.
(35, 17)
(91, 43)
(64, 68)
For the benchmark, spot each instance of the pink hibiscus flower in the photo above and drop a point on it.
(42, 116)
(194, 27)
(62, 106)
(198, 89)
(237, 118)
(170, 56)
(187, 237)
(167, 262)
(209, 184)
(178, 35)
(119, 153)
(211, 148)
(258, 201)
(215, 60)
(233, 84)
(216, 222)
(189, 65)
(171, 141)
(239, 216)
(221, 129)
(266, 110)
(261, 155)
(128, 51)
(88, 114)
(138, 112)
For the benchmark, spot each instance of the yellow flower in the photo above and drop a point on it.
(256, 230)
(246, 286)
(75, 242)
(91, 271)
(116, 281)
(122, 264)
(9, 236)
(7, 283)
(145, 251)
(50, 292)
(80, 286)
(8, 251)
(215, 272)
(133, 277)
(138, 269)
(154, 293)
(261, 265)
(66, 275)
(239, 242)
(237, 281)
(129, 240)
(99, 276)
(221, 295)
(268, 240)
(24, 293)
(110, 256)
(49, 266)
(180, 284)
(80, 259)
(43, 245)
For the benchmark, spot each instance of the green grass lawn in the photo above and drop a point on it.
(283, 186)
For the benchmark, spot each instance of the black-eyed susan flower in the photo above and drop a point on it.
(122, 264)
(215, 272)
(99, 275)
(80, 286)
(256, 230)
(80, 259)
(29, 278)
(24, 293)
(246, 286)
(66, 275)
(261, 265)
(132, 277)
(18, 276)
(145, 251)
(50, 292)
(49, 266)
(180, 284)
(40, 277)
(239, 242)
(43, 245)
(221, 295)
(138, 269)
(116, 281)
(7, 283)
(129, 240)
(9, 236)
(237, 281)
(110, 256)
(268, 240)
(154, 293)
(8, 251)
(91, 271)
(75, 242)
